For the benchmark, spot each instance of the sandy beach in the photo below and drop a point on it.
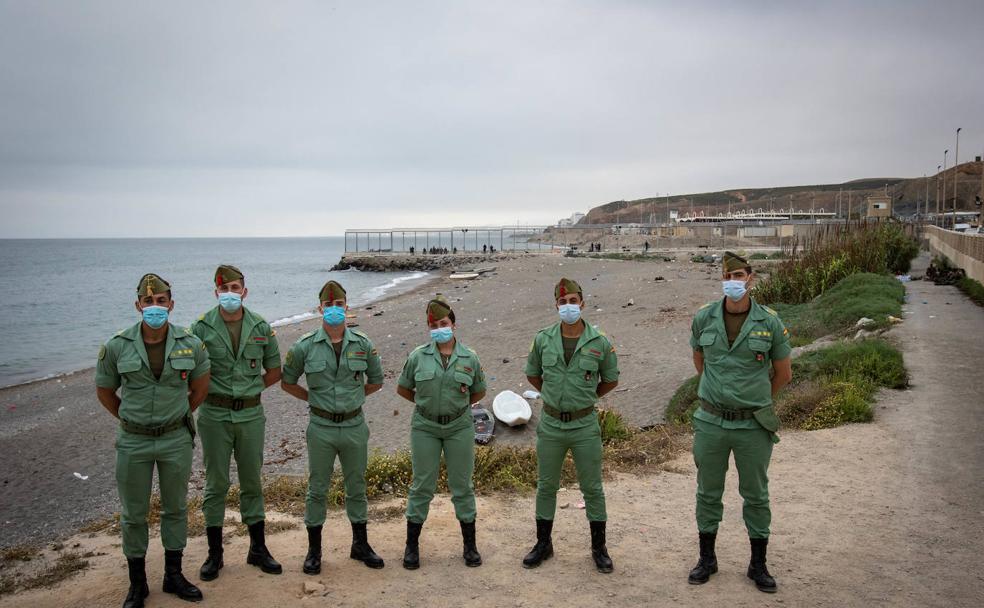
(864, 515)
(51, 429)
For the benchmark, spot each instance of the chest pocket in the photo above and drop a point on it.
(588, 369)
(253, 358)
(182, 367)
(550, 359)
(129, 365)
(464, 378)
(358, 366)
(760, 348)
(707, 338)
(314, 371)
(218, 355)
(426, 382)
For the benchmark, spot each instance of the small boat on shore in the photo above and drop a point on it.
(511, 409)
(463, 276)
(484, 425)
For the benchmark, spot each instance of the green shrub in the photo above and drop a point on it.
(873, 360)
(758, 256)
(613, 426)
(683, 403)
(973, 289)
(846, 402)
(836, 253)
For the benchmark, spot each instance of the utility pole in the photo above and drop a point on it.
(925, 200)
(840, 194)
(936, 219)
(849, 205)
(813, 204)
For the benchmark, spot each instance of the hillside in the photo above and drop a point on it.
(905, 191)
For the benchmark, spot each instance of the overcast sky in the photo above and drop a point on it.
(123, 118)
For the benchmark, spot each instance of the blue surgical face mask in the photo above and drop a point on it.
(230, 301)
(155, 316)
(734, 290)
(442, 335)
(569, 313)
(334, 315)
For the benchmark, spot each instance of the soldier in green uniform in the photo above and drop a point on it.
(742, 355)
(245, 360)
(443, 378)
(163, 371)
(342, 368)
(572, 364)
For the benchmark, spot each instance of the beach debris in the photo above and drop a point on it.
(580, 505)
(505, 360)
(631, 302)
(864, 322)
(904, 278)
(566, 505)
(61, 409)
(894, 320)
(659, 278)
(396, 412)
(81, 476)
(531, 394)
(484, 425)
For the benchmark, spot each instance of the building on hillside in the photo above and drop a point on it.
(879, 206)
(570, 221)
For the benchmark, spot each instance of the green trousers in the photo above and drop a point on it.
(351, 445)
(136, 456)
(220, 441)
(552, 444)
(427, 441)
(753, 450)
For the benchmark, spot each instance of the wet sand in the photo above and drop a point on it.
(51, 429)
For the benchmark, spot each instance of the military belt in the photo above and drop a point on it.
(567, 416)
(336, 418)
(152, 431)
(729, 415)
(230, 403)
(446, 419)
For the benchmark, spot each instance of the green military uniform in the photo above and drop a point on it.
(736, 414)
(232, 421)
(570, 390)
(441, 424)
(155, 426)
(336, 393)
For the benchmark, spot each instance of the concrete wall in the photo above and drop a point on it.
(964, 250)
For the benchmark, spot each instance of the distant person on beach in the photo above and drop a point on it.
(443, 378)
(573, 365)
(342, 368)
(163, 371)
(742, 355)
(245, 358)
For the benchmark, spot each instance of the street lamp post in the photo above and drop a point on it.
(937, 218)
(956, 163)
(945, 152)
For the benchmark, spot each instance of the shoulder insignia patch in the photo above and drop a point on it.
(289, 358)
(785, 331)
(374, 352)
(770, 311)
(273, 332)
(307, 335)
(102, 352)
(203, 346)
(421, 347)
(202, 317)
(705, 306)
(360, 333)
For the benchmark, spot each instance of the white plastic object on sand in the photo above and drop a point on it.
(511, 409)
(531, 395)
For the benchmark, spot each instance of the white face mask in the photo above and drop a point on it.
(734, 290)
(569, 313)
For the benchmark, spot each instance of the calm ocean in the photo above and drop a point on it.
(61, 299)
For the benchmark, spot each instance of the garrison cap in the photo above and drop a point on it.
(437, 309)
(150, 284)
(332, 291)
(732, 262)
(566, 286)
(227, 273)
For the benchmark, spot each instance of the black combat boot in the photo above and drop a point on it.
(213, 563)
(470, 553)
(174, 580)
(543, 549)
(708, 563)
(598, 549)
(411, 555)
(361, 549)
(756, 567)
(258, 554)
(312, 561)
(138, 583)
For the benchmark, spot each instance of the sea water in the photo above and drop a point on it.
(61, 298)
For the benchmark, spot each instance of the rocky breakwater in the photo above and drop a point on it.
(426, 263)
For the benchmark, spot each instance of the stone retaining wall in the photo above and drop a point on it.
(964, 250)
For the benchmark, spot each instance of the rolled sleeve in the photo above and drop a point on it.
(202, 362)
(374, 375)
(781, 348)
(293, 365)
(609, 365)
(695, 336)
(479, 384)
(406, 376)
(534, 367)
(271, 352)
(107, 376)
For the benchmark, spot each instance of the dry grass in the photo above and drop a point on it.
(65, 566)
